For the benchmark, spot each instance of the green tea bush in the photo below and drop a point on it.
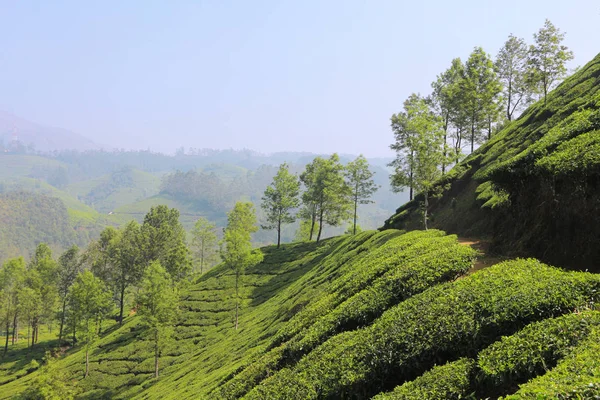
(361, 273)
(449, 381)
(445, 261)
(447, 321)
(576, 377)
(534, 349)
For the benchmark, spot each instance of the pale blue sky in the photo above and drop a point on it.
(318, 76)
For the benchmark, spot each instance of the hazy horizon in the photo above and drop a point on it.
(271, 77)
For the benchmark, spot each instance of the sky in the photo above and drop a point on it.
(317, 76)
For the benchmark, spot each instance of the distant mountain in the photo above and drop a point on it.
(43, 138)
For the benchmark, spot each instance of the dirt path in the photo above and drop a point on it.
(484, 259)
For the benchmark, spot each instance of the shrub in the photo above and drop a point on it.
(447, 321)
(534, 349)
(449, 381)
(575, 377)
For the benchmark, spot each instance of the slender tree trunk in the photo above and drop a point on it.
(37, 330)
(202, 257)
(320, 224)
(28, 326)
(355, 209)
(426, 193)
(472, 136)
(74, 332)
(237, 276)
(508, 113)
(62, 320)
(156, 353)
(279, 232)
(87, 362)
(447, 117)
(313, 216)
(122, 304)
(15, 329)
(7, 335)
(410, 183)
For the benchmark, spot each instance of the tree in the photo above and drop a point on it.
(128, 259)
(480, 88)
(89, 299)
(548, 58)
(69, 266)
(309, 199)
(361, 183)
(30, 308)
(279, 199)
(204, 240)
(445, 100)
(42, 277)
(511, 66)
(327, 194)
(11, 282)
(164, 241)
(157, 303)
(425, 148)
(236, 246)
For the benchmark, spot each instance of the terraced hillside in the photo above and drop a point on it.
(381, 313)
(535, 186)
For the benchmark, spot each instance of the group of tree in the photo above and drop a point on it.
(82, 289)
(468, 102)
(332, 193)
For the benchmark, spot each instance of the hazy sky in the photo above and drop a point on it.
(318, 76)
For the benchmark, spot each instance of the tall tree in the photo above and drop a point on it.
(11, 281)
(309, 199)
(279, 199)
(446, 103)
(43, 278)
(164, 241)
(204, 240)
(158, 302)
(511, 66)
(128, 261)
(480, 88)
(69, 266)
(236, 246)
(89, 298)
(327, 194)
(361, 183)
(404, 139)
(426, 149)
(548, 57)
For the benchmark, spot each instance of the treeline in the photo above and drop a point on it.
(332, 193)
(81, 289)
(469, 102)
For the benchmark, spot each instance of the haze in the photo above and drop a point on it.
(270, 76)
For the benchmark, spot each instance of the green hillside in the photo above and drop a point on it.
(18, 165)
(534, 187)
(28, 219)
(355, 317)
(115, 190)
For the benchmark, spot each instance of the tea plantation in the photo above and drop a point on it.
(388, 314)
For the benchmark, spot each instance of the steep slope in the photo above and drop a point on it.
(353, 317)
(535, 186)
